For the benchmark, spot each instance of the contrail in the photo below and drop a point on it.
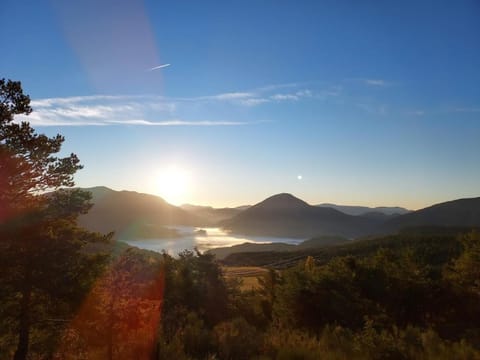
(158, 67)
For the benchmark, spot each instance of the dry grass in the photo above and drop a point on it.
(248, 274)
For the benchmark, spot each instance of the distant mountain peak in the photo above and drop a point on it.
(282, 201)
(98, 188)
(98, 191)
(285, 215)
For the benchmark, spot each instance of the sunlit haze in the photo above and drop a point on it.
(173, 184)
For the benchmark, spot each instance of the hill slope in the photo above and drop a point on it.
(132, 215)
(456, 213)
(284, 215)
(211, 215)
(321, 241)
(434, 248)
(364, 210)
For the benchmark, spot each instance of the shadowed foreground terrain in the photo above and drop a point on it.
(382, 298)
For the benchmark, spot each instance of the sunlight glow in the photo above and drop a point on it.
(173, 185)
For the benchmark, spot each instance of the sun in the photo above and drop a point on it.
(173, 184)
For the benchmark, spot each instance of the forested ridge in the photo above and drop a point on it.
(68, 293)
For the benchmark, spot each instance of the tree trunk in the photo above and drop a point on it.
(24, 323)
(110, 329)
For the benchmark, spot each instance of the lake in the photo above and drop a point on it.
(214, 238)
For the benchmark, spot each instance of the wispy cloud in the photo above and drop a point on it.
(282, 97)
(103, 110)
(379, 109)
(333, 91)
(177, 122)
(77, 99)
(253, 101)
(292, 96)
(38, 119)
(274, 87)
(159, 67)
(372, 82)
(112, 110)
(259, 96)
(416, 112)
(233, 96)
(375, 82)
(468, 109)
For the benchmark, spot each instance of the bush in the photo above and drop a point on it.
(237, 339)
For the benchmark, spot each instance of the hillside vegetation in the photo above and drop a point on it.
(439, 243)
(391, 299)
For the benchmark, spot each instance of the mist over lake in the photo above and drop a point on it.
(214, 238)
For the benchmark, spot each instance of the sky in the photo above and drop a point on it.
(372, 103)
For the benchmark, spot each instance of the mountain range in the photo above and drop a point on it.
(284, 215)
(135, 215)
(364, 210)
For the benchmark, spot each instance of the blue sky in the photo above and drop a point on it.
(372, 103)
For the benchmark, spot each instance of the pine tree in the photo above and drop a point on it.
(40, 243)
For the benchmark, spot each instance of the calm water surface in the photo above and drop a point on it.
(215, 238)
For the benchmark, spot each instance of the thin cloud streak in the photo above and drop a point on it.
(159, 67)
(375, 82)
(370, 82)
(280, 97)
(379, 109)
(47, 102)
(101, 110)
(176, 122)
(105, 110)
(253, 101)
(416, 112)
(468, 109)
(233, 96)
(37, 120)
(292, 96)
(250, 98)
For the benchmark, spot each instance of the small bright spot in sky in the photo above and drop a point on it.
(299, 177)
